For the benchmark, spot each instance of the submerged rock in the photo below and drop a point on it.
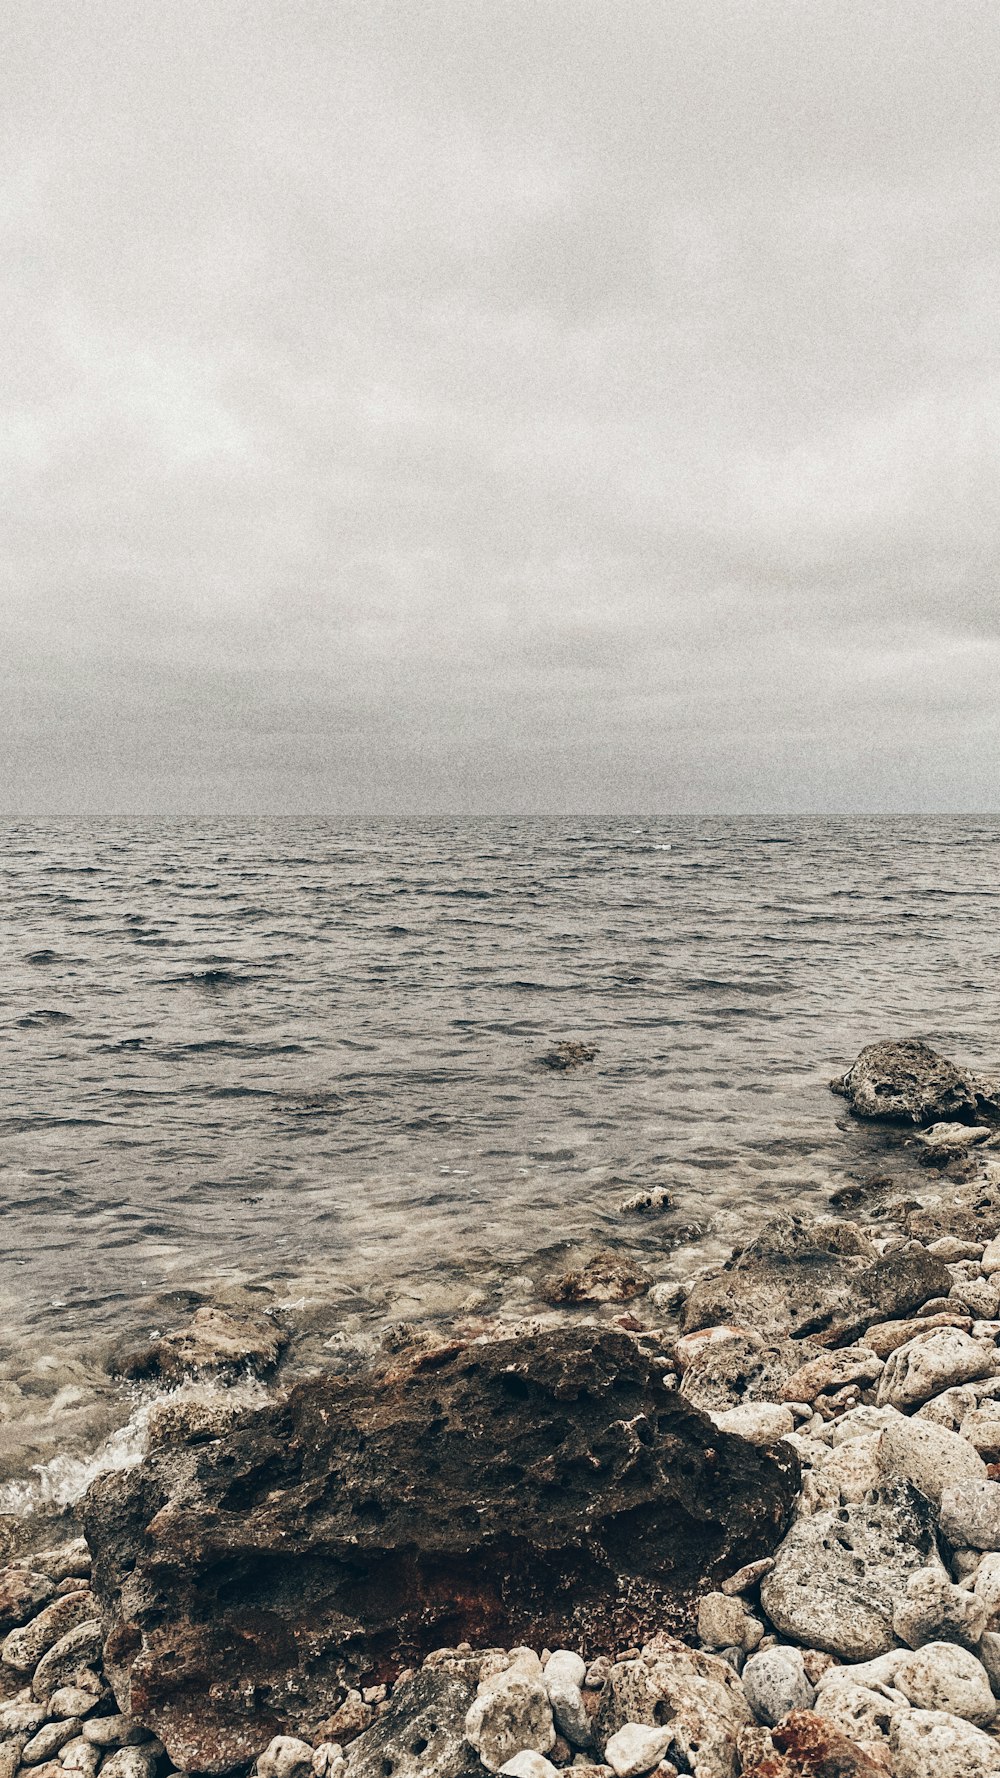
(480, 1492)
(215, 1342)
(607, 1277)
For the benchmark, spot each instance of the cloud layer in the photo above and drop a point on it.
(499, 406)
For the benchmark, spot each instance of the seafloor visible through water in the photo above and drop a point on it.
(307, 1056)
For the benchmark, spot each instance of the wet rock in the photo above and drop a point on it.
(931, 1610)
(908, 1083)
(22, 1594)
(62, 1561)
(636, 1749)
(608, 1277)
(824, 1279)
(838, 1574)
(970, 1515)
(511, 1714)
(568, 1054)
(949, 1142)
(935, 1744)
(23, 1648)
(775, 1682)
(933, 1362)
(480, 1491)
(215, 1342)
(941, 1676)
(646, 1203)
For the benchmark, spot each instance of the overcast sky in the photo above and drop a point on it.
(499, 406)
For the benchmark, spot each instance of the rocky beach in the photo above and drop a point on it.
(748, 1524)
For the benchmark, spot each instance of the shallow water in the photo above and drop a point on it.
(309, 1055)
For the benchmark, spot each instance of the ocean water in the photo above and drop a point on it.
(305, 1057)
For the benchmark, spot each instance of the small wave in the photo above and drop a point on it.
(42, 957)
(45, 1015)
(54, 1486)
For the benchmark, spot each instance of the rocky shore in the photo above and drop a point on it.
(749, 1527)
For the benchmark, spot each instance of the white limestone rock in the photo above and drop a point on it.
(725, 1622)
(935, 1744)
(511, 1715)
(928, 1456)
(970, 1514)
(636, 1749)
(284, 1757)
(933, 1609)
(941, 1676)
(931, 1363)
(775, 1682)
(759, 1422)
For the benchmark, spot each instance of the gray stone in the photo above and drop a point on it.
(935, 1744)
(941, 1676)
(775, 1682)
(970, 1515)
(697, 1695)
(760, 1422)
(78, 1759)
(838, 1574)
(933, 1362)
(747, 1577)
(511, 1713)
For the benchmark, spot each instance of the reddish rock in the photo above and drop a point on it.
(548, 1491)
(815, 1748)
(606, 1278)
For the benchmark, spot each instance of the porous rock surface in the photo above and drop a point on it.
(483, 1491)
(907, 1082)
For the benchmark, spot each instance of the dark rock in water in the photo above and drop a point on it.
(568, 1055)
(423, 1731)
(215, 1342)
(608, 1277)
(908, 1083)
(823, 1279)
(544, 1490)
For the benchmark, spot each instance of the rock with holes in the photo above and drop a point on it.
(510, 1714)
(24, 1647)
(822, 1278)
(285, 1757)
(545, 1485)
(422, 1730)
(22, 1595)
(697, 1696)
(927, 1455)
(815, 1748)
(838, 1575)
(932, 1363)
(935, 1744)
(215, 1342)
(907, 1082)
(970, 1515)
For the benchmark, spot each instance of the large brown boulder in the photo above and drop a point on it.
(549, 1490)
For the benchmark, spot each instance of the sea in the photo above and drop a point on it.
(302, 1064)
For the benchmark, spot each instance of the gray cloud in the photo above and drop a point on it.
(466, 406)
